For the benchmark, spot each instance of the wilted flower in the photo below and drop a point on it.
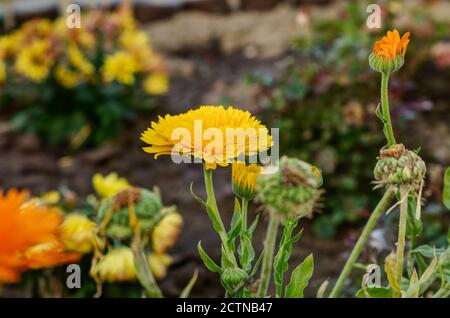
(116, 266)
(397, 166)
(166, 232)
(243, 179)
(22, 226)
(77, 233)
(146, 205)
(236, 132)
(159, 264)
(107, 186)
(388, 53)
(293, 191)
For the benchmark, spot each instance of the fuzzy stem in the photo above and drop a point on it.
(385, 107)
(269, 248)
(144, 274)
(401, 237)
(214, 213)
(376, 214)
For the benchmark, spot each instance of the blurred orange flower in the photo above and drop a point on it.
(22, 225)
(49, 254)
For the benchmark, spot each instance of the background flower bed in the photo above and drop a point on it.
(312, 85)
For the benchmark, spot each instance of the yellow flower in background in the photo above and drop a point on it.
(77, 59)
(10, 44)
(49, 254)
(120, 66)
(66, 77)
(77, 233)
(116, 266)
(243, 179)
(37, 28)
(159, 264)
(166, 232)
(391, 45)
(51, 197)
(214, 134)
(132, 40)
(2, 71)
(34, 61)
(107, 186)
(156, 84)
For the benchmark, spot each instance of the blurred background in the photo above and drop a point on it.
(298, 65)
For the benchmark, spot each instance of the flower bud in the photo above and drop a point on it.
(244, 179)
(293, 191)
(232, 277)
(388, 54)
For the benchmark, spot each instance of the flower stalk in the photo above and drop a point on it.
(388, 130)
(401, 238)
(376, 214)
(269, 248)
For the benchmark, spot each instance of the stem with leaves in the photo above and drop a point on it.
(376, 214)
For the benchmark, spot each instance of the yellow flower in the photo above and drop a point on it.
(77, 59)
(107, 186)
(132, 40)
(388, 53)
(156, 84)
(10, 44)
(2, 72)
(210, 133)
(159, 264)
(66, 77)
(121, 67)
(166, 232)
(51, 197)
(78, 233)
(243, 179)
(116, 266)
(34, 62)
(391, 45)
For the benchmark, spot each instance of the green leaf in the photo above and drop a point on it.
(446, 193)
(187, 290)
(322, 289)
(196, 197)
(209, 263)
(428, 251)
(379, 114)
(300, 278)
(374, 292)
(236, 213)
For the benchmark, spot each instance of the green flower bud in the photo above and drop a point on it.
(232, 277)
(293, 191)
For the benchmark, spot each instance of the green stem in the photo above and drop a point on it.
(389, 132)
(144, 274)
(411, 257)
(376, 214)
(244, 215)
(401, 238)
(214, 213)
(269, 248)
(443, 292)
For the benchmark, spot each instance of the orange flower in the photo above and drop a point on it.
(391, 45)
(22, 225)
(49, 254)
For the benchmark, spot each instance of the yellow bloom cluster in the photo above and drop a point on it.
(41, 49)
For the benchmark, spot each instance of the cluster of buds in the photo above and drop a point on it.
(293, 191)
(398, 166)
(145, 205)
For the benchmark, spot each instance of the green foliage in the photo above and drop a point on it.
(300, 278)
(446, 194)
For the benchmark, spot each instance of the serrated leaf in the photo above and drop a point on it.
(187, 290)
(209, 263)
(300, 278)
(446, 193)
(374, 292)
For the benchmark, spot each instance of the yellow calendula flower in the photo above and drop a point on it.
(107, 186)
(159, 264)
(156, 84)
(77, 233)
(67, 77)
(243, 179)
(213, 134)
(49, 254)
(34, 62)
(79, 61)
(10, 44)
(51, 197)
(166, 232)
(116, 266)
(388, 53)
(2, 71)
(120, 66)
